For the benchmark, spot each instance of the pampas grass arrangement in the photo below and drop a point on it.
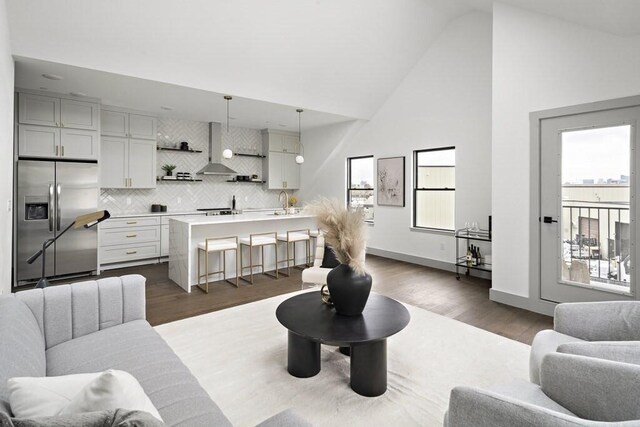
(343, 229)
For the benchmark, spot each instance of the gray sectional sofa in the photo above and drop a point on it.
(98, 325)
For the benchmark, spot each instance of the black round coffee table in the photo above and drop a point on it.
(311, 323)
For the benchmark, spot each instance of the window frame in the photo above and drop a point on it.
(416, 189)
(349, 186)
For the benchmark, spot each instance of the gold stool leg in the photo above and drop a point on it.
(236, 261)
(206, 271)
(251, 263)
(224, 265)
(276, 251)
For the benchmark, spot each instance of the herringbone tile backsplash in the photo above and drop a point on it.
(213, 191)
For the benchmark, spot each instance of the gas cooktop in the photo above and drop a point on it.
(217, 211)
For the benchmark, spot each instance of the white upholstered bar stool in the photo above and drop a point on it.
(313, 234)
(258, 240)
(291, 238)
(222, 245)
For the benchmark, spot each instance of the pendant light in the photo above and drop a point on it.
(300, 157)
(227, 153)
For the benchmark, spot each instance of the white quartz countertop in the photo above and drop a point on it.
(139, 214)
(244, 217)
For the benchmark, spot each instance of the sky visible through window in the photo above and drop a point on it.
(596, 156)
(362, 173)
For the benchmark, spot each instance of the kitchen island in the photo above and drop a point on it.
(187, 231)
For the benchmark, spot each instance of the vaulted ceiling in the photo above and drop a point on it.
(343, 57)
(339, 56)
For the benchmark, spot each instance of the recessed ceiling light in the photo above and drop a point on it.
(77, 94)
(52, 76)
(166, 107)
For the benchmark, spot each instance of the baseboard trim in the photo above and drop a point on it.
(542, 307)
(427, 262)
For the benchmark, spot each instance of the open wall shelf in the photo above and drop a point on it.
(177, 149)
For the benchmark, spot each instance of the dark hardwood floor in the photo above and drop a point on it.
(438, 291)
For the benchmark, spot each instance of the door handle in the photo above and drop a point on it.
(57, 150)
(549, 220)
(62, 150)
(59, 206)
(50, 207)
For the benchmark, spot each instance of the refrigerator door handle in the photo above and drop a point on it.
(59, 206)
(50, 207)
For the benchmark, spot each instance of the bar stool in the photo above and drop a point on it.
(258, 240)
(295, 236)
(313, 234)
(217, 244)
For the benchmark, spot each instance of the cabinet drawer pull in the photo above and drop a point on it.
(132, 222)
(132, 235)
(131, 252)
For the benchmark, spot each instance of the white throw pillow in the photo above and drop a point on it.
(111, 390)
(32, 397)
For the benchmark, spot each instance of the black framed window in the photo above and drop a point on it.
(434, 188)
(360, 181)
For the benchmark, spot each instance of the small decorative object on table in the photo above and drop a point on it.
(184, 146)
(292, 201)
(168, 169)
(345, 232)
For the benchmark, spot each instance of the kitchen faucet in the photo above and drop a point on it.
(285, 204)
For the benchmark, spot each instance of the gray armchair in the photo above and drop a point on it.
(575, 391)
(609, 330)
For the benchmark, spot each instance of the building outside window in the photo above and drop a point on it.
(360, 181)
(434, 188)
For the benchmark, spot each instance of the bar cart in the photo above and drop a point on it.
(467, 236)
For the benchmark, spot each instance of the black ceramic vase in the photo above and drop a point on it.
(349, 290)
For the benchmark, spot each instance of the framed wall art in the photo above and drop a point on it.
(390, 181)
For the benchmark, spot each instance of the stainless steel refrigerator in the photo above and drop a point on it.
(51, 194)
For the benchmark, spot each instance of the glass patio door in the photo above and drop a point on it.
(588, 206)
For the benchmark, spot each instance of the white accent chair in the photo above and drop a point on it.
(316, 274)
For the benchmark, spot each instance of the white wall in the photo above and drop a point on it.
(6, 148)
(445, 100)
(540, 62)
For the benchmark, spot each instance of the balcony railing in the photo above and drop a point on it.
(596, 237)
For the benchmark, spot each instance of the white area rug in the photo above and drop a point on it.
(239, 355)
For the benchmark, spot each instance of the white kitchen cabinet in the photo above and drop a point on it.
(38, 110)
(279, 168)
(79, 114)
(281, 171)
(38, 141)
(78, 144)
(291, 171)
(56, 127)
(142, 127)
(114, 123)
(52, 142)
(142, 163)
(114, 159)
(164, 240)
(119, 122)
(57, 112)
(127, 163)
(280, 141)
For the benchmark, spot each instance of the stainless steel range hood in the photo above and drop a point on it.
(215, 166)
